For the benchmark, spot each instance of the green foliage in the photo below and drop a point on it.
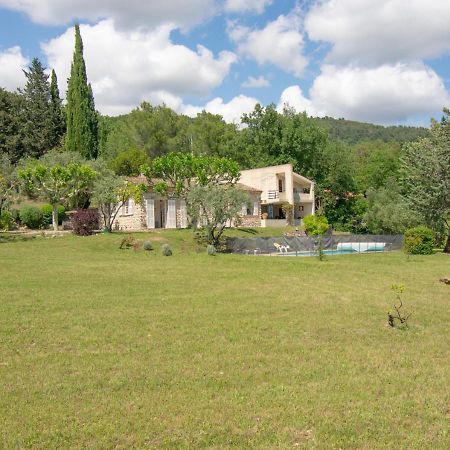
(419, 241)
(426, 178)
(54, 182)
(37, 128)
(271, 138)
(315, 225)
(8, 182)
(31, 217)
(209, 134)
(148, 246)
(376, 164)
(211, 250)
(212, 207)
(166, 250)
(6, 220)
(110, 191)
(47, 211)
(156, 130)
(388, 212)
(129, 163)
(11, 125)
(353, 132)
(82, 120)
(179, 171)
(58, 119)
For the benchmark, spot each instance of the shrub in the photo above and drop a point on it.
(211, 250)
(147, 246)
(166, 250)
(85, 221)
(6, 220)
(31, 217)
(419, 241)
(15, 213)
(315, 225)
(47, 214)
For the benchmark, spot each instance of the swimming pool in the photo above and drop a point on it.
(341, 251)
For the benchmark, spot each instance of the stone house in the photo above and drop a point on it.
(268, 189)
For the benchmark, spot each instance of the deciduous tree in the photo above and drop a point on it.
(426, 178)
(56, 183)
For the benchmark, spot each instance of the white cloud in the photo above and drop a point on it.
(279, 43)
(386, 94)
(382, 31)
(126, 14)
(231, 111)
(253, 82)
(293, 97)
(12, 62)
(127, 67)
(240, 6)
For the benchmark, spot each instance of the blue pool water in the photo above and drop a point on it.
(329, 252)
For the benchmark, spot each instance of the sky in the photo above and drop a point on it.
(384, 61)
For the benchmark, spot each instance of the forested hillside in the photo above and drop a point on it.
(353, 132)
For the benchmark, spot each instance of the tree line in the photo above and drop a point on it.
(362, 184)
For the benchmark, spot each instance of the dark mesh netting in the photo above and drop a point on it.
(305, 245)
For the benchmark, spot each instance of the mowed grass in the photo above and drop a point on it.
(102, 348)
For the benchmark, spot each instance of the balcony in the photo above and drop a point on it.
(301, 197)
(274, 197)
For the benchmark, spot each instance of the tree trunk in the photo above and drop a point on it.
(55, 217)
(447, 245)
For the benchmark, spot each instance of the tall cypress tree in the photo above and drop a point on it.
(82, 121)
(36, 113)
(58, 119)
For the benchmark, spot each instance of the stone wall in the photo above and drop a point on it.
(131, 222)
(250, 221)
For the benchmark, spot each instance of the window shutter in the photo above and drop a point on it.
(171, 221)
(150, 203)
(255, 208)
(183, 214)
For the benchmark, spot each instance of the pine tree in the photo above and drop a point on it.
(82, 121)
(36, 113)
(58, 119)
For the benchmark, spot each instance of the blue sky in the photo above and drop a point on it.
(386, 62)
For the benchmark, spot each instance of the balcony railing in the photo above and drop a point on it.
(272, 195)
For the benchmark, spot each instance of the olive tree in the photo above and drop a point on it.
(214, 206)
(110, 192)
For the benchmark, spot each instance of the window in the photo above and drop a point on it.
(127, 208)
(280, 185)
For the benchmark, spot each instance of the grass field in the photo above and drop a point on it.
(102, 348)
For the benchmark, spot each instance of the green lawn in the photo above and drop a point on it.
(102, 348)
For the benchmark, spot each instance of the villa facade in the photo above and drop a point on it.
(268, 189)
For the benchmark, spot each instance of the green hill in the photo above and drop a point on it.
(353, 132)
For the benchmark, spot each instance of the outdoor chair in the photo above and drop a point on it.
(281, 247)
